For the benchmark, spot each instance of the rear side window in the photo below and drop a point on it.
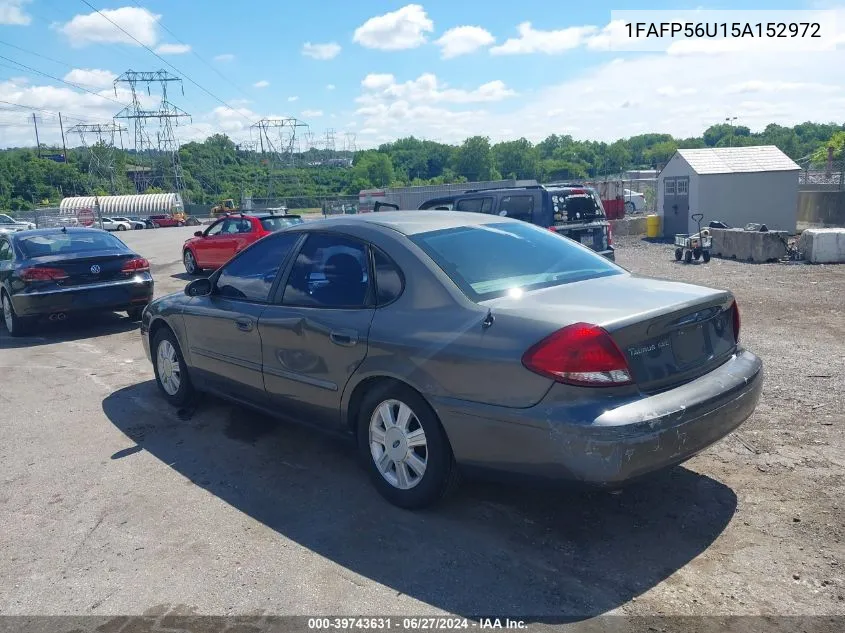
(277, 224)
(59, 243)
(251, 275)
(475, 205)
(517, 256)
(389, 283)
(517, 207)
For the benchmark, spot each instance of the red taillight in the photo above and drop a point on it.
(43, 274)
(137, 265)
(552, 229)
(580, 354)
(578, 192)
(736, 320)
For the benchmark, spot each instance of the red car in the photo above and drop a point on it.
(165, 220)
(212, 248)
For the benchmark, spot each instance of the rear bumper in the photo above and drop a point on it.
(609, 253)
(109, 295)
(612, 442)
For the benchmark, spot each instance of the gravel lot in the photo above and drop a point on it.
(111, 504)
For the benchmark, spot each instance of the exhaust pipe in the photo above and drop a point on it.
(58, 316)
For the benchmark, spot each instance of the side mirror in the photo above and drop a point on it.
(198, 288)
(197, 233)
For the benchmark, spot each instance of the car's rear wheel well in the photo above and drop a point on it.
(361, 390)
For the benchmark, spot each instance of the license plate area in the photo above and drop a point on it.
(690, 345)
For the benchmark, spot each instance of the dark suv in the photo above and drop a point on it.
(569, 209)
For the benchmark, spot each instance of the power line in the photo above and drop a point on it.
(24, 50)
(21, 105)
(199, 57)
(210, 94)
(54, 78)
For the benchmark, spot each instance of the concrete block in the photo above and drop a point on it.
(635, 225)
(823, 246)
(753, 246)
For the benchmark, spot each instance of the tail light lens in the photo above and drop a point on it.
(137, 265)
(580, 354)
(609, 235)
(43, 274)
(736, 320)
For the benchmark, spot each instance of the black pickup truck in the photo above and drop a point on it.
(572, 210)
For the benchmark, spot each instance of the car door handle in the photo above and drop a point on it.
(245, 325)
(346, 338)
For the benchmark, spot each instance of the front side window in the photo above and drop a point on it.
(251, 274)
(5, 251)
(329, 272)
(214, 229)
(526, 258)
(475, 205)
(517, 207)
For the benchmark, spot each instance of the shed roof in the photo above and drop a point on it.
(734, 160)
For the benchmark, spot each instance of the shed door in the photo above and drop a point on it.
(675, 206)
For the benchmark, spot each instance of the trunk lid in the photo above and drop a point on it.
(669, 332)
(86, 267)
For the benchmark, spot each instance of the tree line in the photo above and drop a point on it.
(217, 168)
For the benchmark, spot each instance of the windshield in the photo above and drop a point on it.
(526, 258)
(579, 205)
(5, 219)
(279, 223)
(60, 243)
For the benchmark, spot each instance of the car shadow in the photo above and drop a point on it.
(73, 328)
(551, 555)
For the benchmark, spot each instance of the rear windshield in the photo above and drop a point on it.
(578, 206)
(277, 224)
(492, 260)
(58, 243)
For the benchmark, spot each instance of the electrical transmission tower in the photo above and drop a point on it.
(278, 142)
(349, 142)
(98, 139)
(330, 142)
(163, 119)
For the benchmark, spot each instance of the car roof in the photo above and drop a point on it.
(262, 216)
(55, 230)
(410, 222)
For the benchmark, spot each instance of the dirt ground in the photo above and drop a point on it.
(111, 504)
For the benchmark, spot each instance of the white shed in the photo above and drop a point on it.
(142, 204)
(737, 185)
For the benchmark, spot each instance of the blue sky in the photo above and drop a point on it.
(384, 69)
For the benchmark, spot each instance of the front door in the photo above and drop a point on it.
(316, 336)
(675, 206)
(222, 328)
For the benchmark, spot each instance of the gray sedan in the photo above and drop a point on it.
(441, 341)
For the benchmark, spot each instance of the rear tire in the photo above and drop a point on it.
(424, 468)
(705, 255)
(697, 254)
(15, 325)
(687, 257)
(630, 207)
(171, 372)
(155, 225)
(679, 253)
(120, 227)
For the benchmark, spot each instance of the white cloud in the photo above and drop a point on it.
(261, 84)
(12, 13)
(326, 51)
(427, 88)
(330, 87)
(397, 30)
(93, 27)
(292, 99)
(463, 40)
(781, 86)
(91, 77)
(672, 91)
(531, 40)
(173, 49)
(312, 114)
(224, 57)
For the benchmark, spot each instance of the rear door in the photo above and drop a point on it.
(222, 328)
(315, 336)
(520, 205)
(475, 205)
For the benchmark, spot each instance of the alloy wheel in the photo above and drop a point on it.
(398, 444)
(7, 312)
(190, 262)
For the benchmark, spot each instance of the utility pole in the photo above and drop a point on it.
(730, 121)
(37, 142)
(62, 128)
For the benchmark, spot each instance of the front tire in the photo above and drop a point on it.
(15, 325)
(679, 253)
(705, 255)
(120, 227)
(190, 262)
(687, 257)
(630, 207)
(171, 372)
(404, 447)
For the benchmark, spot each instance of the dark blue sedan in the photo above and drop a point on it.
(52, 273)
